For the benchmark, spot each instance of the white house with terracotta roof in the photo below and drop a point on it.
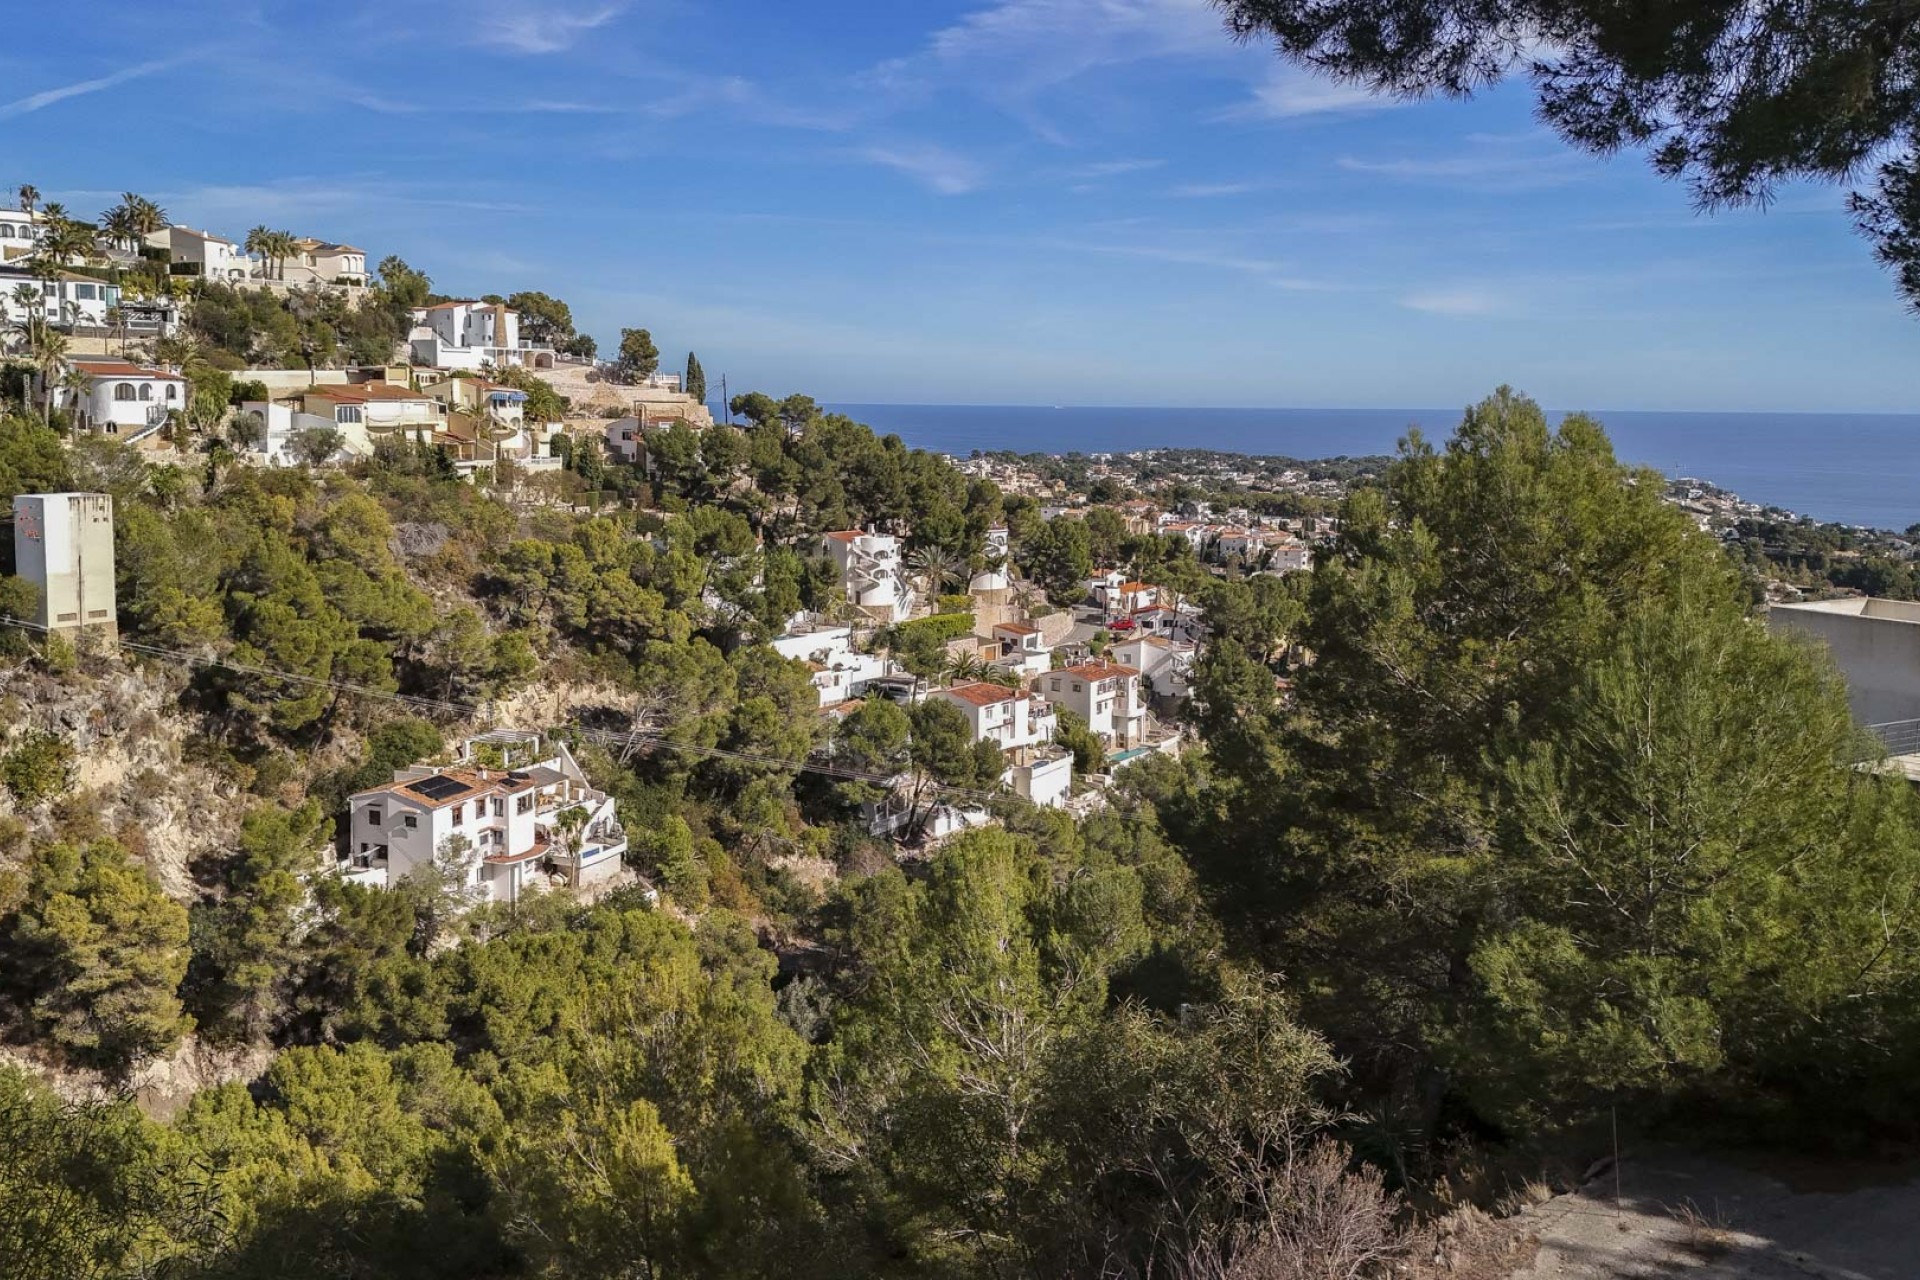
(1024, 650)
(126, 401)
(525, 813)
(1104, 694)
(870, 573)
(1022, 726)
(469, 335)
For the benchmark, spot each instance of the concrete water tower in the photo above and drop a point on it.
(63, 545)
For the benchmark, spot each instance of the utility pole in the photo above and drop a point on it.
(725, 399)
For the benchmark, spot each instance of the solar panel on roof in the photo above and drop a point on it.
(439, 787)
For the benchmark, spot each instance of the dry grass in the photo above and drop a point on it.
(1709, 1235)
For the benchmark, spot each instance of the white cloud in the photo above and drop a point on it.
(531, 27)
(47, 97)
(1114, 168)
(1492, 162)
(1290, 92)
(1023, 46)
(1456, 302)
(939, 169)
(1212, 190)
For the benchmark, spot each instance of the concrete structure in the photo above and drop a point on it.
(127, 401)
(1104, 694)
(526, 814)
(1042, 774)
(870, 572)
(998, 573)
(470, 335)
(839, 674)
(63, 545)
(1876, 645)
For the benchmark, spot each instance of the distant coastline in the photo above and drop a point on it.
(1856, 469)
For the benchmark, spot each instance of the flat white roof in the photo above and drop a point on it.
(1873, 607)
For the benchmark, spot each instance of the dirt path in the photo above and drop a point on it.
(1714, 1219)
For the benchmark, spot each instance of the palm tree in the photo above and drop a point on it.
(117, 326)
(49, 354)
(147, 216)
(76, 384)
(282, 248)
(29, 197)
(28, 303)
(935, 566)
(258, 241)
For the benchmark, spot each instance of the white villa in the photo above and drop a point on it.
(318, 262)
(1165, 665)
(869, 565)
(211, 257)
(1023, 727)
(1104, 694)
(126, 401)
(66, 298)
(839, 674)
(524, 815)
(468, 335)
(1023, 649)
(18, 234)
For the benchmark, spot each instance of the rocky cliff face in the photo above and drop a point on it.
(133, 774)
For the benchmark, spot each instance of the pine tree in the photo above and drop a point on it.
(696, 381)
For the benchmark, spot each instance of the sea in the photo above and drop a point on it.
(1852, 468)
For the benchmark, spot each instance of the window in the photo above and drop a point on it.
(499, 807)
(373, 816)
(146, 391)
(123, 391)
(173, 391)
(409, 821)
(86, 292)
(347, 414)
(1056, 686)
(459, 815)
(1076, 686)
(524, 804)
(6, 233)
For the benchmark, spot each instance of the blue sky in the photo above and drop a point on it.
(1003, 201)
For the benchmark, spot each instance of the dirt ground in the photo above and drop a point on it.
(1719, 1218)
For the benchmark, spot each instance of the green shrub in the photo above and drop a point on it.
(37, 769)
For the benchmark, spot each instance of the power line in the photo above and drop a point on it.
(651, 739)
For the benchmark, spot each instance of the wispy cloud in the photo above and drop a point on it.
(936, 167)
(302, 197)
(47, 97)
(1465, 301)
(1291, 92)
(1113, 168)
(1027, 45)
(1502, 162)
(531, 27)
(1212, 190)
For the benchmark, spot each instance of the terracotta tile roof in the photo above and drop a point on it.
(438, 796)
(1100, 669)
(981, 694)
(1016, 628)
(121, 369)
(844, 535)
(1136, 586)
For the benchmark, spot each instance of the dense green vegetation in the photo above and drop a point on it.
(1547, 825)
